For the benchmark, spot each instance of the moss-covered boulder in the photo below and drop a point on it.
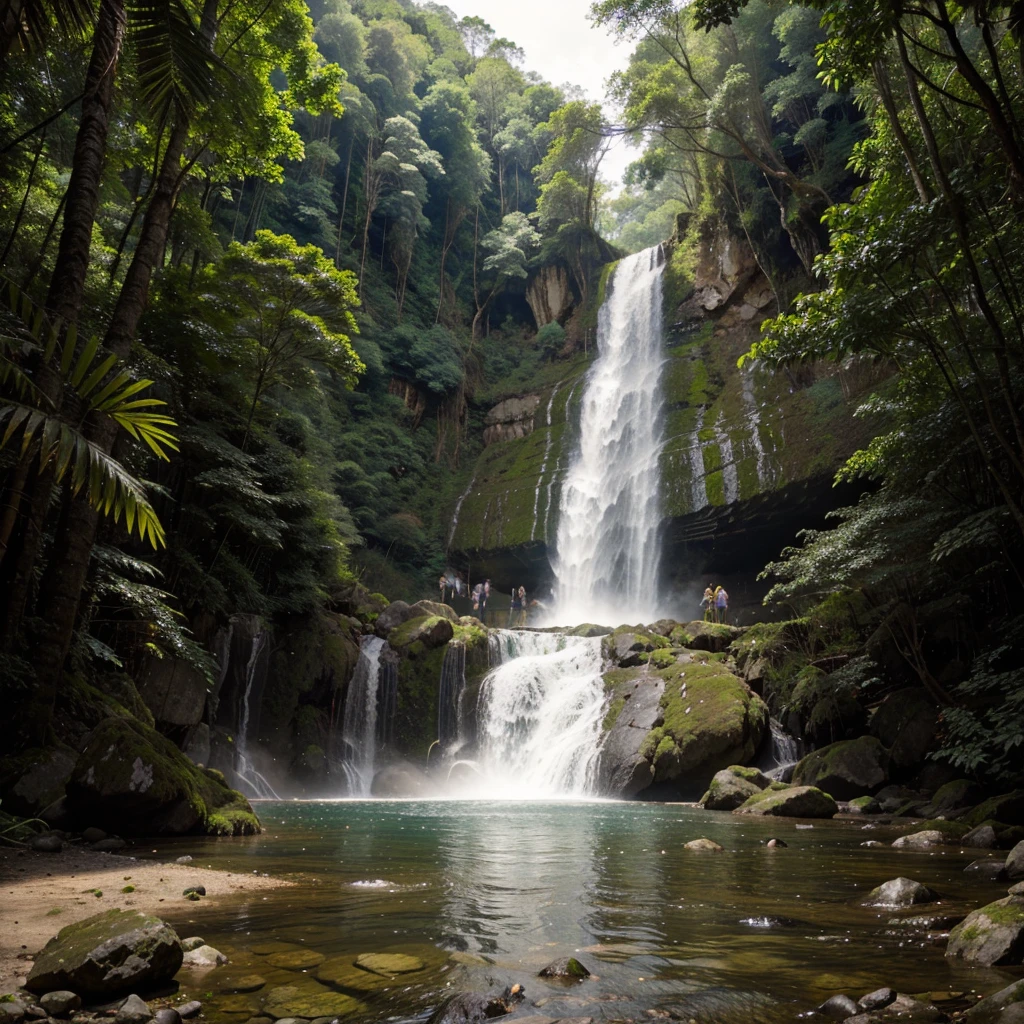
(675, 727)
(791, 802)
(566, 968)
(433, 608)
(308, 999)
(847, 769)
(992, 936)
(733, 786)
(117, 951)
(954, 799)
(131, 780)
(906, 723)
(1007, 809)
(706, 636)
(34, 779)
(627, 646)
(423, 633)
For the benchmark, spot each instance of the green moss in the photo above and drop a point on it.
(662, 658)
(1008, 809)
(613, 712)
(403, 636)
(750, 774)
(950, 829)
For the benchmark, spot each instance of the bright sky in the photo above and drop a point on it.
(562, 45)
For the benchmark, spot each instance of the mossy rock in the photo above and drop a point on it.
(132, 780)
(340, 972)
(1007, 809)
(421, 634)
(296, 959)
(706, 636)
(954, 798)
(309, 999)
(992, 936)
(790, 802)
(389, 965)
(732, 787)
(847, 769)
(952, 831)
(589, 629)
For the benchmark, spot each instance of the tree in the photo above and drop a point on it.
(510, 246)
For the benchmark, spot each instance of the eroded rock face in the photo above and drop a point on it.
(792, 802)
(992, 936)
(847, 769)
(511, 419)
(549, 295)
(107, 954)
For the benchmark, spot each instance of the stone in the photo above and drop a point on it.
(423, 633)
(954, 799)
(549, 294)
(992, 936)
(703, 846)
(795, 802)
(1012, 995)
(388, 965)
(872, 842)
(167, 1015)
(133, 1011)
(204, 957)
(433, 608)
(906, 722)
(243, 983)
(1008, 809)
(132, 778)
(33, 1012)
(39, 780)
(733, 786)
(296, 960)
(1016, 890)
(714, 637)
(174, 691)
(190, 1009)
(341, 972)
(928, 922)
(566, 968)
(93, 835)
(46, 844)
(986, 867)
(12, 1012)
(920, 840)
(394, 615)
(474, 1008)
(192, 942)
(197, 745)
(199, 890)
(847, 769)
(981, 838)
(864, 805)
(776, 844)
(839, 1007)
(900, 892)
(60, 1003)
(107, 954)
(877, 1000)
(307, 1001)
(1015, 862)
(111, 845)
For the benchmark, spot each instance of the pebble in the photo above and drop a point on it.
(133, 1011)
(47, 844)
(168, 1015)
(192, 942)
(190, 1009)
(183, 860)
(199, 890)
(61, 1003)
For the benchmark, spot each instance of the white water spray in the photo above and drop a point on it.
(608, 544)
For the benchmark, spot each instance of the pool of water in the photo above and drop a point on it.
(485, 894)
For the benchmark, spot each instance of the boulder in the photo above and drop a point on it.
(625, 648)
(420, 634)
(733, 786)
(992, 936)
(204, 957)
(107, 954)
(49, 843)
(703, 846)
(981, 838)
(131, 778)
(389, 965)
(706, 636)
(35, 779)
(877, 1000)
(906, 723)
(1015, 862)
(309, 999)
(991, 1005)
(60, 1003)
(839, 1007)
(1007, 809)
(920, 840)
(566, 968)
(847, 769)
(174, 691)
(954, 799)
(433, 608)
(986, 867)
(474, 1008)
(190, 1009)
(394, 615)
(193, 941)
(794, 802)
(167, 1015)
(296, 959)
(12, 1011)
(864, 805)
(900, 892)
(892, 798)
(133, 1011)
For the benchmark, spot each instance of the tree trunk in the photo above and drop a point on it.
(344, 203)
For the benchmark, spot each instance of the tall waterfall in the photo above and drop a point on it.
(608, 546)
(359, 727)
(248, 776)
(539, 716)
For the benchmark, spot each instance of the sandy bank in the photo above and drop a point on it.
(42, 892)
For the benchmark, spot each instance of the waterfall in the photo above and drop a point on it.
(539, 716)
(608, 544)
(558, 462)
(458, 509)
(544, 463)
(387, 697)
(253, 780)
(359, 726)
(783, 754)
(450, 731)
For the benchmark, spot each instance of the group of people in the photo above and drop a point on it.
(480, 595)
(715, 604)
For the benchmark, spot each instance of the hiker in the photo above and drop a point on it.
(476, 594)
(485, 593)
(443, 583)
(707, 603)
(522, 606)
(514, 607)
(721, 603)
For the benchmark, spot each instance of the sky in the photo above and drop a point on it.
(562, 45)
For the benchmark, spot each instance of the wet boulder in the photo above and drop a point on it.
(566, 968)
(394, 615)
(107, 954)
(1015, 862)
(864, 805)
(703, 845)
(954, 798)
(847, 769)
(792, 802)
(474, 1008)
(992, 936)
(420, 634)
(906, 722)
(628, 646)
(444, 611)
(900, 892)
(839, 1007)
(133, 1010)
(986, 867)
(981, 838)
(920, 840)
(994, 1004)
(732, 787)
(877, 1000)
(706, 636)
(131, 779)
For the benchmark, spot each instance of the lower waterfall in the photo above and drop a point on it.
(539, 717)
(359, 726)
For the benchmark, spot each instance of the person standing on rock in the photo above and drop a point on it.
(485, 593)
(721, 604)
(522, 606)
(513, 608)
(708, 604)
(443, 584)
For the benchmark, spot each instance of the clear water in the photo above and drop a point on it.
(515, 885)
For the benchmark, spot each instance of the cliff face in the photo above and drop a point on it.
(749, 454)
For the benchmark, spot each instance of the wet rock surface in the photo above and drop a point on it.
(992, 936)
(473, 1007)
(794, 802)
(566, 968)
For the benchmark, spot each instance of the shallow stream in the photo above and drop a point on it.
(487, 893)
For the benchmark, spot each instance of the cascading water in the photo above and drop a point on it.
(450, 732)
(250, 778)
(608, 545)
(539, 717)
(387, 697)
(782, 754)
(359, 726)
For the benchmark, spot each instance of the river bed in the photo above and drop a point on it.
(487, 893)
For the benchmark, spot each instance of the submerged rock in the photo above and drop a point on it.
(920, 840)
(296, 959)
(567, 968)
(795, 802)
(992, 936)
(387, 965)
(107, 954)
(839, 1007)
(900, 892)
(986, 867)
(473, 1008)
(703, 846)
(845, 770)
(992, 1004)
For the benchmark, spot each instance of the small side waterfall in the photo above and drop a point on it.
(359, 726)
(253, 780)
(544, 464)
(387, 697)
(450, 731)
(608, 529)
(784, 753)
(539, 716)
